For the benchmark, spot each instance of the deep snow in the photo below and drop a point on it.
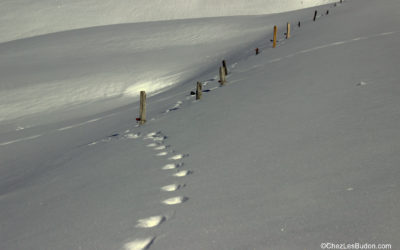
(27, 18)
(91, 70)
(301, 147)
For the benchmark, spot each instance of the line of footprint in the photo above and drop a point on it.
(157, 143)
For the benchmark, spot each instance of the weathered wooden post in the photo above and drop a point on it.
(225, 68)
(299, 24)
(221, 76)
(257, 51)
(142, 115)
(274, 41)
(315, 16)
(288, 31)
(198, 90)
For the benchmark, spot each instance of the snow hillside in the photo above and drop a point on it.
(27, 18)
(92, 70)
(299, 148)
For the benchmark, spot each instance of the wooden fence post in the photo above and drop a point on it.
(225, 68)
(299, 24)
(257, 51)
(274, 41)
(198, 90)
(288, 31)
(222, 76)
(315, 16)
(142, 107)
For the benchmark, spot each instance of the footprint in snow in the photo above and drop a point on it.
(175, 200)
(139, 244)
(182, 173)
(172, 166)
(159, 138)
(132, 136)
(171, 188)
(162, 147)
(361, 83)
(151, 134)
(175, 107)
(162, 153)
(107, 139)
(176, 157)
(155, 136)
(150, 222)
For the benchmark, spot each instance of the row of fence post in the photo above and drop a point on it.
(223, 71)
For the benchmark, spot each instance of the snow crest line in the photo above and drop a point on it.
(19, 140)
(79, 124)
(84, 123)
(332, 45)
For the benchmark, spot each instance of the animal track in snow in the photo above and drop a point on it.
(162, 153)
(160, 147)
(151, 134)
(160, 138)
(175, 200)
(171, 188)
(175, 107)
(139, 244)
(150, 222)
(155, 136)
(132, 136)
(182, 173)
(361, 83)
(176, 157)
(172, 166)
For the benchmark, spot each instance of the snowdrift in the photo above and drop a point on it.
(26, 18)
(111, 64)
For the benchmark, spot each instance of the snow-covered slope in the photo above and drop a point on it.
(299, 148)
(26, 18)
(109, 65)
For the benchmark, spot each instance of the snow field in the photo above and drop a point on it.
(159, 139)
(26, 18)
(312, 156)
(94, 70)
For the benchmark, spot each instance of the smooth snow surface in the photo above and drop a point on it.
(26, 18)
(300, 147)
